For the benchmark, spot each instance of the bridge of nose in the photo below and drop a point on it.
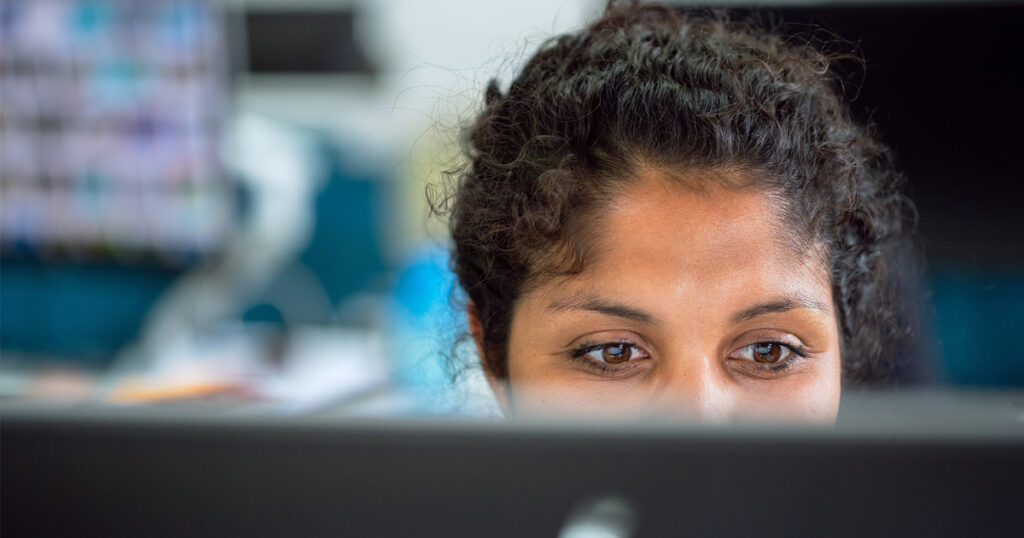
(696, 385)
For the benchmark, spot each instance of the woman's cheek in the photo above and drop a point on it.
(576, 394)
(812, 395)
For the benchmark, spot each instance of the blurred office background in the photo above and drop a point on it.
(224, 200)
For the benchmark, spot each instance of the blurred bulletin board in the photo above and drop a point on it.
(109, 119)
(110, 184)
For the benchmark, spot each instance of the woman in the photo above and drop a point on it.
(676, 212)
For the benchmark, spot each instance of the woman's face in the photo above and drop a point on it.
(691, 303)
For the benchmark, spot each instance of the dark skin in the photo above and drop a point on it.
(693, 304)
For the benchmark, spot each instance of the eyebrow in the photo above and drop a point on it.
(781, 304)
(592, 303)
(586, 301)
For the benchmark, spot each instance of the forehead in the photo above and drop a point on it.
(693, 227)
(657, 239)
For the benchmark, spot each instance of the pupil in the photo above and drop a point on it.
(767, 352)
(616, 353)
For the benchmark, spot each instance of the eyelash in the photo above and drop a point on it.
(797, 353)
(580, 353)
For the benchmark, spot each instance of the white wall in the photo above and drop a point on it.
(435, 57)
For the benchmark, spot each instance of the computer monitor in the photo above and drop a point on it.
(126, 473)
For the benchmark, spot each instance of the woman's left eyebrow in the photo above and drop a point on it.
(780, 304)
(593, 303)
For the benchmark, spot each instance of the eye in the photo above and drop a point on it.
(767, 352)
(611, 353)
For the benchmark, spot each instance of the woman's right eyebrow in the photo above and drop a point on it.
(592, 303)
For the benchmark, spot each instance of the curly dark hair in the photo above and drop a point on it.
(683, 93)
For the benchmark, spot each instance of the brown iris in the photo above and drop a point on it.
(616, 353)
(767, 352)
